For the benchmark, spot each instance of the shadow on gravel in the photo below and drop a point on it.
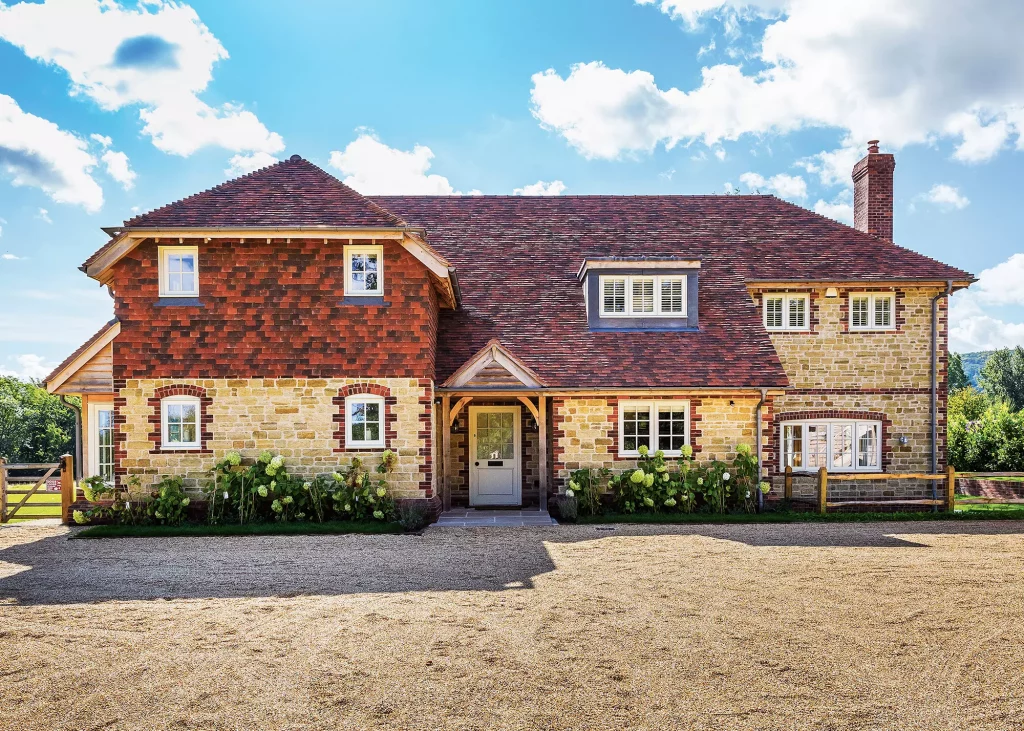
(53, 570)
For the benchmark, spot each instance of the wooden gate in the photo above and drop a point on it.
(17, 487)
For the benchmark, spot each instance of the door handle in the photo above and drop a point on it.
(476, 464)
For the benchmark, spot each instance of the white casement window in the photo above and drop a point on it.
(870, 311)
(643, 296)
(786, 311)
(179, 271)
(101, 441)
(364, 417)
(656, 425)
(180, 423)
(364, 271)
(838, 446)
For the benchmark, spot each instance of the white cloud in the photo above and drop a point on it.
(44, 216)
(720, 153)
(838, 209)
(972, 326)
(36, 152)
(158, 57)
(373, 168)
(243, 164)
(103, 140)
(786, 186)
(896, 70)
(834, 167)
(2, 222)
(555, 187)
(119, 168)
(29, 365)
(691, 11)
(10, 257)
(946, 197)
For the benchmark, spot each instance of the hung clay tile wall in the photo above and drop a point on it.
(274, 311)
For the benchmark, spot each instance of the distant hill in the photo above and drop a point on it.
(974, 362)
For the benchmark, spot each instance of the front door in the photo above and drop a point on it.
(494, 455)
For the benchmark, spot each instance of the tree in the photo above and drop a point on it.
(34, 425)
(1002, 378)
(956, 376)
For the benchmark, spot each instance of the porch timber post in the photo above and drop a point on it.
(542, 439)
(788, 490)
(446, 452)
(822, 491)
(67, 485)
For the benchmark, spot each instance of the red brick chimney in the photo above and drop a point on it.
(872, 193)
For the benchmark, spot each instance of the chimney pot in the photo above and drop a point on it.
(873, 193)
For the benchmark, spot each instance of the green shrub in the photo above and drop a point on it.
(168, 503)
(412, 516)
(586, 486)
(984, 435)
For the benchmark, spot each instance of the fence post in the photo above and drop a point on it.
(3, 490)
(67, 485)
(788, 494)
(822, 490)
(950, 488)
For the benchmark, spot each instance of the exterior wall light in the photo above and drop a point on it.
(904, 441)
(831, 292)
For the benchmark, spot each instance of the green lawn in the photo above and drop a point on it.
(234, 529)
(963, 512)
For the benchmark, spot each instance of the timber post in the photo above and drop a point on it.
(788, 491)
(3, 490)
(446, 452)
(822, 490)
(950, 488)
(67, 486)
(542, 441)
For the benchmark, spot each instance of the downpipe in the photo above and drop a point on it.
(935, 385)
(78, 434)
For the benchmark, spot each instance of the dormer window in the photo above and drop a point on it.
(643, 296)
(364, 271)
(179, 271)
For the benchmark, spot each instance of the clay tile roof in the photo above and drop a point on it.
(518, 257)
(293, 192)
(79, 350)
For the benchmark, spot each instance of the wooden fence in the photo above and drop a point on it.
(16, 488)
(947, 501)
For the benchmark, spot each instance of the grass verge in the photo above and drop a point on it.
(1006, 512)
(371, 527)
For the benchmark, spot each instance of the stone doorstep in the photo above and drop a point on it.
(469, 518)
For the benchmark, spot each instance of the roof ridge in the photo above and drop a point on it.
(376, 207)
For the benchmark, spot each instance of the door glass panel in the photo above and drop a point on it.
(495, 435)
(842, 445)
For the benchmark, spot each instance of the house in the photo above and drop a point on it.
(497, 343)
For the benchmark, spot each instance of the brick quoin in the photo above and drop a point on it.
(274, 310)
(373, 389)
(205, 418)
(426, 436)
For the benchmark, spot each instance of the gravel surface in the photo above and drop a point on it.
(818, 626)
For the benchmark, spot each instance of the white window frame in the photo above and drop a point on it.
(165, 441)
(367, 249)
(364, 398)
(652, 410)
(830, 440)
(164, 254)
(629, 279)
(873, 325)
(94, 436)
(786, 298)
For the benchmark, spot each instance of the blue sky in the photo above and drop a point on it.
(107, 109)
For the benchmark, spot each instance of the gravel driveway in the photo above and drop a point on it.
(820, 626)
